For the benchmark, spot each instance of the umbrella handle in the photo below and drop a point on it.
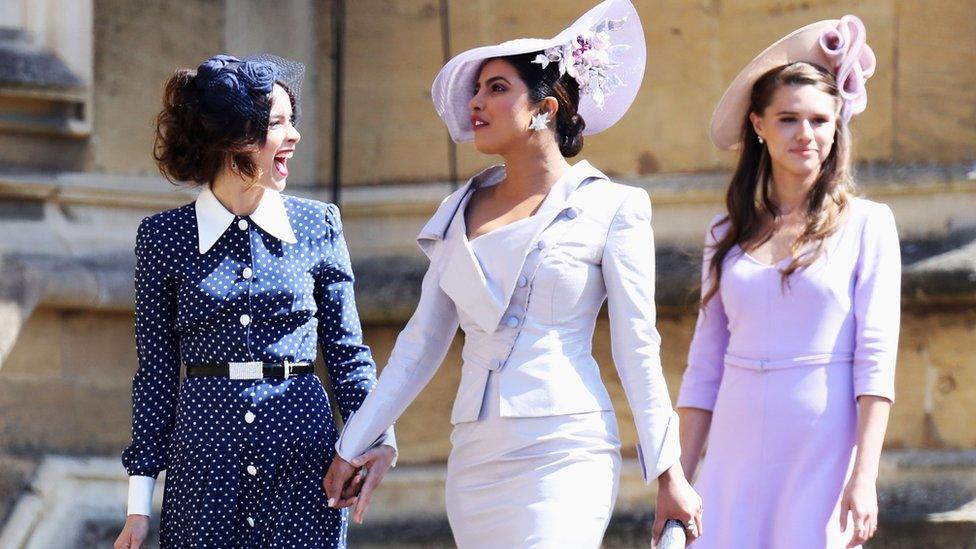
(673, 536)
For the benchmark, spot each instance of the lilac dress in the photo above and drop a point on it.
(781, 368)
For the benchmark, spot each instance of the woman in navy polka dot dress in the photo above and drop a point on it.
(238, 287)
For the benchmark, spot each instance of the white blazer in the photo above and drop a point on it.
(591, 241)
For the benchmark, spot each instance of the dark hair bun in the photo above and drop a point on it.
(547, 82)
(570, 132)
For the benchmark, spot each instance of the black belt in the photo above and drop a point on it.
(250, 370)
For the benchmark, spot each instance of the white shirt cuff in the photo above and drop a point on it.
(389, 439)
(668, 453)
(141, 495)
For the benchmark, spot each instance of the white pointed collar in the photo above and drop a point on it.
(213, 218)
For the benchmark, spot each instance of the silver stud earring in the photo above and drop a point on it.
(761, 141)
(539, 121)
(233, 165)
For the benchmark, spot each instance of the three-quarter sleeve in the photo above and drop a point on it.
(628, 272)
(417, 354)
(340, 334)
(877, 306)
(706, 356)
(156, 383)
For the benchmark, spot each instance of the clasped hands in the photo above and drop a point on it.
(352, 483)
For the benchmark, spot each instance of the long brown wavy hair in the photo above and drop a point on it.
(748, 197)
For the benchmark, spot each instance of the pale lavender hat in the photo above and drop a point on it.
(604, 50)
(838, 45)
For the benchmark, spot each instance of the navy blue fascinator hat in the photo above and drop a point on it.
(239, 87)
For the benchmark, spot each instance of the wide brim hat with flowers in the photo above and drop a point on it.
(603, 50)
(838, 45)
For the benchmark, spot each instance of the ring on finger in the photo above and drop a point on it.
(692, 527)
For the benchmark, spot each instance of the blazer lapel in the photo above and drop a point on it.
(463, 279)
(435, 230)
(461, 275)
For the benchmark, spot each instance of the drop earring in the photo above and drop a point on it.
(539, 122)
(761, 140)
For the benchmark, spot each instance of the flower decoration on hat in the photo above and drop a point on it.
(590, 58)
(604, 51)
(853, 62)
(231, 86)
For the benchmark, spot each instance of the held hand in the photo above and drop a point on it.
(341, 483)
(860, 500)
(676, 499)
(376, 461)
(134, 533)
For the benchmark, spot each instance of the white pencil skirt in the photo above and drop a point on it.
(541, 482)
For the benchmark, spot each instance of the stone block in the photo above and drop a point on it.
(74, 417)
(935, 86)
(138, 45)
(951, 386)
(37, 354)
(391, 130)
(99, 350)
(15, 474)
(666, 129)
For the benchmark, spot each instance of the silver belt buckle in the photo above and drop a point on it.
(287, 365)
(246, 370)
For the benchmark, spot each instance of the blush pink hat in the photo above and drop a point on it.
(838, 45)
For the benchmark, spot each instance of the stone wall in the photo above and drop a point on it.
(65, 387)
(138, 46)
(922, 98)
(922, 103)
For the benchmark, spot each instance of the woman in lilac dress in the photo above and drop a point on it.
(791, 369)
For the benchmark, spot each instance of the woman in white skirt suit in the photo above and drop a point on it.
(523, 257)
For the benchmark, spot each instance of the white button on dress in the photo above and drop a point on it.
(252, 470)
(245, 320)
(247, 273)
(242, 224)
(250, 417)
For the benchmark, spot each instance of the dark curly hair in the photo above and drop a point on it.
(194, 143)
(546, 82)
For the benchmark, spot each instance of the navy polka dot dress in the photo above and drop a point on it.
(244, 459)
